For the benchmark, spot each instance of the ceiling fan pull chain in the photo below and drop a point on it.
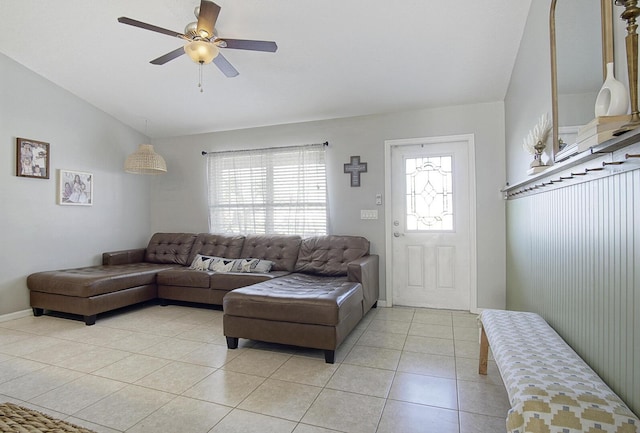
(200, 77)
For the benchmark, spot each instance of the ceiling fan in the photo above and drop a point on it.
(203, 43)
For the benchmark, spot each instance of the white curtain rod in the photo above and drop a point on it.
(205, 153)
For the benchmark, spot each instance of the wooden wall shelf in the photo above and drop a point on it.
(598, 161)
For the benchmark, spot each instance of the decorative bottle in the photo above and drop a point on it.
(612, 99)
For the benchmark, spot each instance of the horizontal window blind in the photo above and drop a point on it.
(266, 191)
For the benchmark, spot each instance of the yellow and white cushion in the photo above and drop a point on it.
(551, 389)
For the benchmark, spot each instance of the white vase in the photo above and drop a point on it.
(612, 99)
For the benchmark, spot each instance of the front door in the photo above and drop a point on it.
(431, 223)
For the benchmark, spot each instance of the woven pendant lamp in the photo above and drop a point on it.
(145, 161)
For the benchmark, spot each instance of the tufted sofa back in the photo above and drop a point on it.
(329, 255)
(282, 250)
(173, 248)
(207, 244)
(319, 255)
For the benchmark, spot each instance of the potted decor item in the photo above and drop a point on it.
(535, 143)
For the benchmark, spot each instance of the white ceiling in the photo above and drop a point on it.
(335, 58)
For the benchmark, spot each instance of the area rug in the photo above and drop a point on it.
(18, 419)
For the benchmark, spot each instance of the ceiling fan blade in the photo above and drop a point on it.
(136, 23)
(223, 64)
(245, 44)
(207, 18)
(168, 57)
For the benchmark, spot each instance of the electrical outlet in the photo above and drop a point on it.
(379, 199)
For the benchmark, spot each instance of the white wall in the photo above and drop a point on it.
(529, 92)
(179, 201)
(38, 234)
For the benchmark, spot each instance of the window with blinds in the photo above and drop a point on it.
(266, 191)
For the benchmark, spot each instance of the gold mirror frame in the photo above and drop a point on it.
(606, 11)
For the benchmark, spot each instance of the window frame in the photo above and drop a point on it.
(310, 184)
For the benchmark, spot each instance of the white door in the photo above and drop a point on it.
(432, 263)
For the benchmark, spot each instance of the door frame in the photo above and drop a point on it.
(388, 230)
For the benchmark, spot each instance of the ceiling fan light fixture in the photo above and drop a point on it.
(201, 51)
(145, 161)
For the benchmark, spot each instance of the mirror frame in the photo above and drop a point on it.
(606, 27)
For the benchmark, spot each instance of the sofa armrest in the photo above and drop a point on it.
(124, 257)
(365, 271)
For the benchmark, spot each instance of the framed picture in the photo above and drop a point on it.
(32, 158)
(75, 188)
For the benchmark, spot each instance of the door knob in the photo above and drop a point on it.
(396, 234)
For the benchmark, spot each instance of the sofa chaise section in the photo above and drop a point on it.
(334, 285)
(93, 290)
(125, 278)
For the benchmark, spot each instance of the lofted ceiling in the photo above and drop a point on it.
(335, 58)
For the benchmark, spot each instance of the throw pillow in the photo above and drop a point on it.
(201, 263)
(220, 264)
(252, 265)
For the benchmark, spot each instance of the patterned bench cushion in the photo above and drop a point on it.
(551, 389)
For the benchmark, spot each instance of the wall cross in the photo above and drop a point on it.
(354, 169)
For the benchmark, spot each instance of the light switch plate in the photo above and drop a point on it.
(368, 214)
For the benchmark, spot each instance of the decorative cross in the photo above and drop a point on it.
(355, 168)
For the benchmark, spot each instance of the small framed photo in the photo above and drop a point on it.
(75, 188)
(32, 158)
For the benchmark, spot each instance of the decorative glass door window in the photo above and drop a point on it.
(429, 193)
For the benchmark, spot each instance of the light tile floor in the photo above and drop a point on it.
(167, 369)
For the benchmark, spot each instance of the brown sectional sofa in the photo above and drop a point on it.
(316, 292)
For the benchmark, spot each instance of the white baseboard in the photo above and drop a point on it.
(477, 310)
(16, 315)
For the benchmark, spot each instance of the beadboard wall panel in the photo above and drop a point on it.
(573, 256)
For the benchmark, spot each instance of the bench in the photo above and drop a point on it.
(551, 389)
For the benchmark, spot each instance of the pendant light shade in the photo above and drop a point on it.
(145, 161)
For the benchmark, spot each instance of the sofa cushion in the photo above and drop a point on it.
(329, 255)
(233, 280)
(94, 280)
(172, 248)
(209, 244)
(184, 277)
(297, 298)
(282, 250)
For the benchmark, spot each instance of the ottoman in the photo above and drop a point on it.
(298, 309)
